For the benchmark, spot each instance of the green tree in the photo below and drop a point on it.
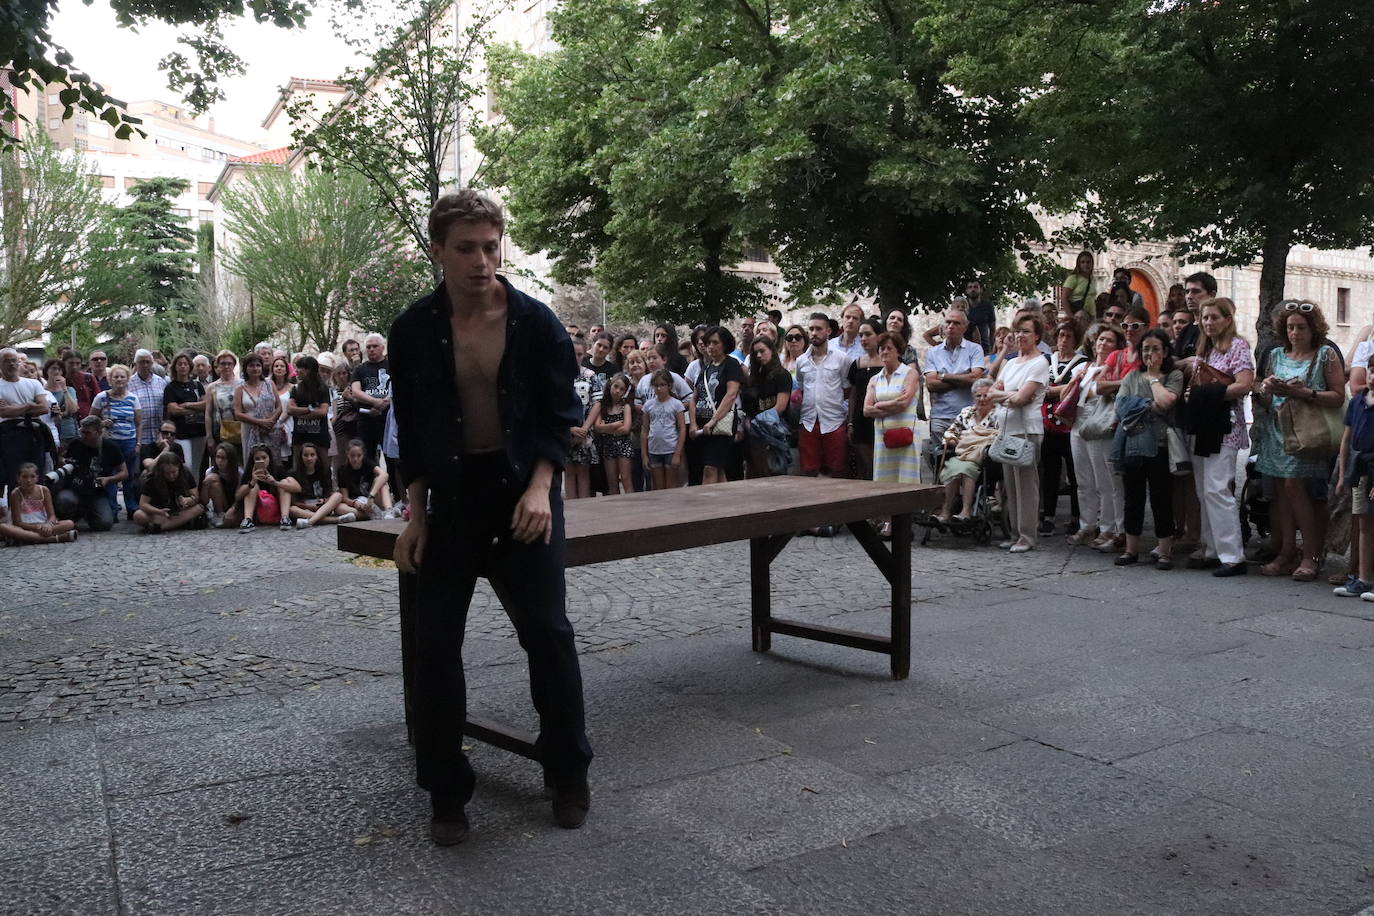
(398, 129)
(160, 248)
(1237, 130)
(381, 287)
(613, 167)
(297, 241)
(663, 136)
(57, 237)
(28, 52)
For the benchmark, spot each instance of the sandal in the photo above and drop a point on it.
(1164, 561)
(1128, 559)
(1307, 570)
(1281, 567)
(1082, 536)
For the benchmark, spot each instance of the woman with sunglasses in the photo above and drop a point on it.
(1307, 369)
(1126, 360)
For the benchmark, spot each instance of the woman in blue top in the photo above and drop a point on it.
(1306, 368)
(121, 414)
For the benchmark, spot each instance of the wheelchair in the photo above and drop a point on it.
(988, 515)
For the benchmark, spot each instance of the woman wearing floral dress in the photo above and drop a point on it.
(255, 405)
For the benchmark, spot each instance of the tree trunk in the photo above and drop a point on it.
(712, 241)
(1278, 242)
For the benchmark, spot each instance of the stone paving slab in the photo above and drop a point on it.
(941, 867)
(1201, 856)
(1073, 738)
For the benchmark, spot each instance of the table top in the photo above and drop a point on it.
(639, 524)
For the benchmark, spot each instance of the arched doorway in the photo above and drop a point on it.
(1140, 283)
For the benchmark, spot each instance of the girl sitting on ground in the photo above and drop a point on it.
(314, 499)
(362, 485)
(32, 517)
(265, 501)
(222, 490)
(167, 498)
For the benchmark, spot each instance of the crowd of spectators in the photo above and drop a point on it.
(1086, 395)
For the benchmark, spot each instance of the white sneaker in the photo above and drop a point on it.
(1367, 596)
(302, 523)
(347, 517)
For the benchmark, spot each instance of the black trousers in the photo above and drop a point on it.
(468, 538)
(1054, 452)
(1152, 474)
(20, 444)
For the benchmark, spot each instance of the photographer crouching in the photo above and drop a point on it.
(85, 485)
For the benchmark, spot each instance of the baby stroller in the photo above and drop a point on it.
(987, 515)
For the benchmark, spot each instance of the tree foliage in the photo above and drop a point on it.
(160, 249)
(398, 128)
(298, 240)
(662, 137)
(1237, 129)
(381, 287)
(62, 255)
(28, 51)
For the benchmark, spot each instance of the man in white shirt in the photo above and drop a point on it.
(848, 341)
(23, 401)
(823, 375)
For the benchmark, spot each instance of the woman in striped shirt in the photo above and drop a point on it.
(119, 409)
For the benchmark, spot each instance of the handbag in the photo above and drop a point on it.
(898, 437)
(268, 510)
(1205, 374)
(1099, 420)
(1015, 451)
(725, 426)
(1067, 408)
(1180, 457)
(230, 431)
(1309, 429)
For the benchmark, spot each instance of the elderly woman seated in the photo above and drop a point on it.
(966, 445)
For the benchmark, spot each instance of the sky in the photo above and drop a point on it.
(125, 62)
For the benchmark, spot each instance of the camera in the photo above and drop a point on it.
(60, 475)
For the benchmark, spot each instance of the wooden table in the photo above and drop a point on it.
(767, 512)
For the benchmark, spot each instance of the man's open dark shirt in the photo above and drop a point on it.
(534, 391)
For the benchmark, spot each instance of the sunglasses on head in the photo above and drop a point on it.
(1298, 306)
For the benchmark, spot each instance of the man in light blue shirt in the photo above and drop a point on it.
(951, 369)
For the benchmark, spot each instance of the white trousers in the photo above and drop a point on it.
(1022, 486)
(1101, 501)
(1213, 476)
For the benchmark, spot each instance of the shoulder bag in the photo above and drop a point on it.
(725, 426)
(1008, 449)
(1311, 430)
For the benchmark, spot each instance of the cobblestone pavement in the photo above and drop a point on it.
(209, 722)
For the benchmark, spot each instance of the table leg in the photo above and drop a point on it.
(900, 579)
(406, 591)
(760, 591)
